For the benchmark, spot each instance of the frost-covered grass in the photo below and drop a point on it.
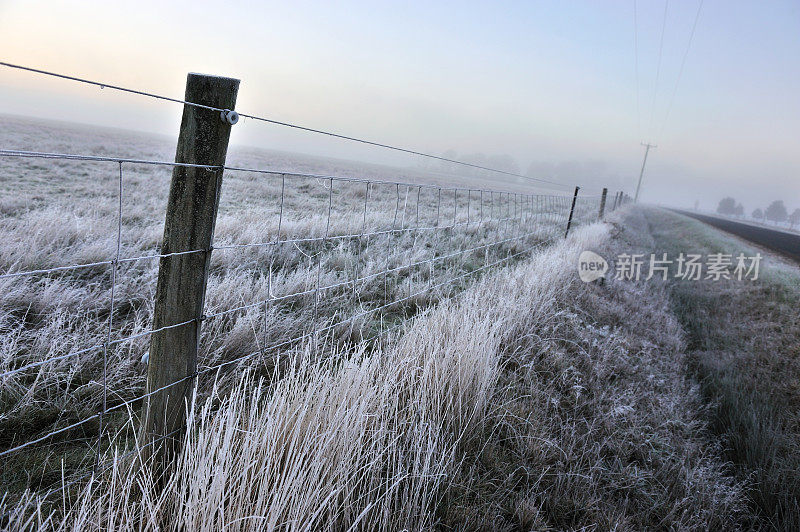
(55, 213)
(744, 345)
(516, 399)
(529, 401)
(595, 423)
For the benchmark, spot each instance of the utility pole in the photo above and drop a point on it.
(646, 151)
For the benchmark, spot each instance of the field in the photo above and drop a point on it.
(431, 362)
(296, 258)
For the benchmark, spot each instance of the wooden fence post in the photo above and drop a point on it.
(180, 293)
(571, 211)
(603, 204)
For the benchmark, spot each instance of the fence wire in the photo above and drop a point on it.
(103, 85)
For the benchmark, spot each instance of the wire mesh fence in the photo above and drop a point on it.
(296, 257)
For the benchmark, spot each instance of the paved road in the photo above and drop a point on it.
(785, 243)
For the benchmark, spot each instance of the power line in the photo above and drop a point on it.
(284, 124)
(658, 67)
(680, 72)
(636, 66)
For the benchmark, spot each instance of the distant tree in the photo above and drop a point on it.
(794, 218)
(776, 212)
(541, 169)
(503, 162)
(478, 159)
(739, 210)
(726, 206)
(758, 214)
(446, 166)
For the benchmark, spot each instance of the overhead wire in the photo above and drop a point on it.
(103, 85)
(636, 67)
(680, 71)
(658, 69)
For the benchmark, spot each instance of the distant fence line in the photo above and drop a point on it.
(367, 254)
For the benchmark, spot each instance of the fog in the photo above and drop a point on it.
(549, 89)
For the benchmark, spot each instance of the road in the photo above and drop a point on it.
(787, 244)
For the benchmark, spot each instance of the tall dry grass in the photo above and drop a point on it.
(357, 441)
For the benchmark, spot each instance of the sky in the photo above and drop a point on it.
(554, 84)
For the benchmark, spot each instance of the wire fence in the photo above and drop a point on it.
(297, 258)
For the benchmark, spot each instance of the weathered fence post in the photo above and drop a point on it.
(603, 204)
(180, 293)
(571, 211)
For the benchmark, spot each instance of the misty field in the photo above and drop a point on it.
(374, 356)
(295, 258)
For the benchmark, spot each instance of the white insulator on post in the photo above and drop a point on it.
(228, 116)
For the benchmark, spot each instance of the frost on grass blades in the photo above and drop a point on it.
(334, 263)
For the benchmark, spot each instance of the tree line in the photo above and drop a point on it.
(775, 212)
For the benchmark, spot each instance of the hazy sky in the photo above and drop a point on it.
(548, 82)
